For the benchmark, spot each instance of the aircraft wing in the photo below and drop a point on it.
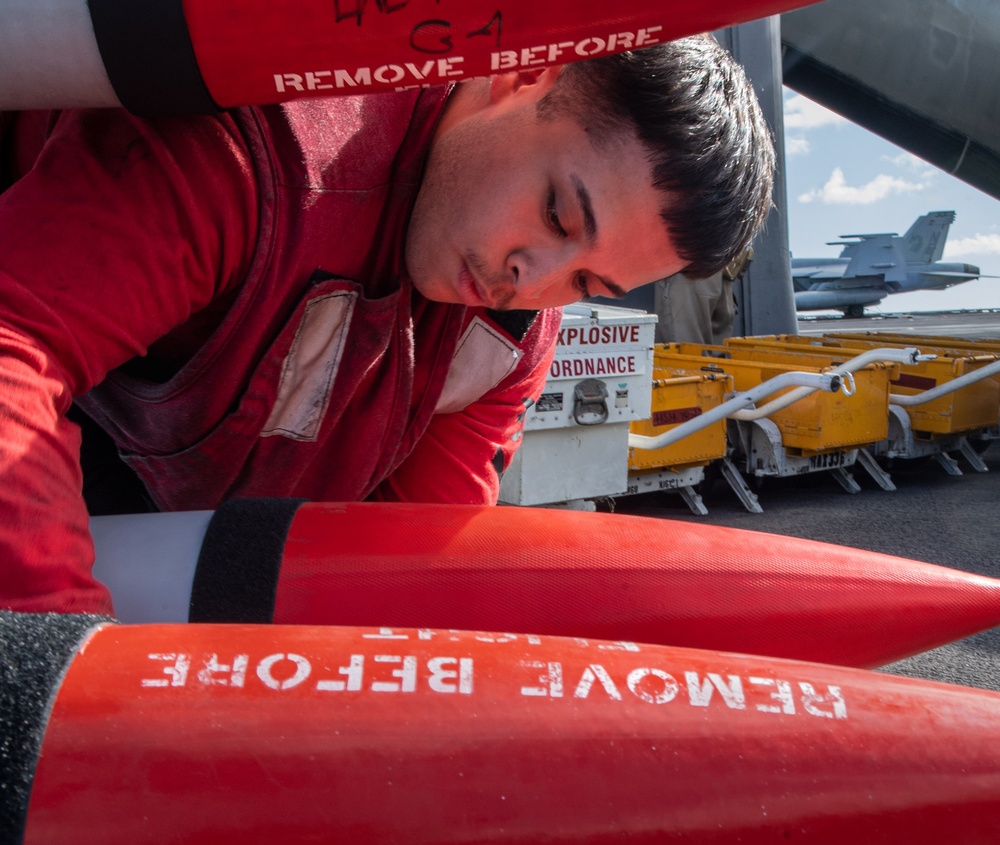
(818, 274)
(807, 272)
(866, 237)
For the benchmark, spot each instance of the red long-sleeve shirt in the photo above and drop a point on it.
(227, 298)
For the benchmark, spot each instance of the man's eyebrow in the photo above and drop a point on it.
(587, 207)
(590, 229)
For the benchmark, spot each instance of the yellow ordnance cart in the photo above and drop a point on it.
(935, 403)
(978, 351)
(678, 397)
(970, 408)
(859, 419)
(822, 431)
(820, 422)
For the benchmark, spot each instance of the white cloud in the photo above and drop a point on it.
(907, 161)
(797, 146)
(837, 192)
(976, 245)
(803, 114)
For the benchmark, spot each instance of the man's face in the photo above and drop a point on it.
(518, 212)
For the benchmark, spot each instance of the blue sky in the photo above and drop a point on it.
(842, 179)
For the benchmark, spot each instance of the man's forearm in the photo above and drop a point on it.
(45, 548)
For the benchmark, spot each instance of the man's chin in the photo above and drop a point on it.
(503, 305)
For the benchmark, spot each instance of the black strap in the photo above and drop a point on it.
(149, 58)
(236, 579)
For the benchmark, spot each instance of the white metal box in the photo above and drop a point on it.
(576, 436)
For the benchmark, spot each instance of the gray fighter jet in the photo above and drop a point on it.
(870, 267)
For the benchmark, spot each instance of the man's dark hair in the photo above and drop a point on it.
(693, 108)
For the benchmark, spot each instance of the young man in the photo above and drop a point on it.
(337, 300)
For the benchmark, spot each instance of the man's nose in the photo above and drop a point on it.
(537, 270)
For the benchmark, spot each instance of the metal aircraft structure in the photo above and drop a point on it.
(870, 267)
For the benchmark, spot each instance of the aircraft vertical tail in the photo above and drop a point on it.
(924, 241)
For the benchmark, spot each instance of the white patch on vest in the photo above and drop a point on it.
(484, 357)
(310, 367)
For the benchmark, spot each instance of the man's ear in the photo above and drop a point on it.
(525, 84)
